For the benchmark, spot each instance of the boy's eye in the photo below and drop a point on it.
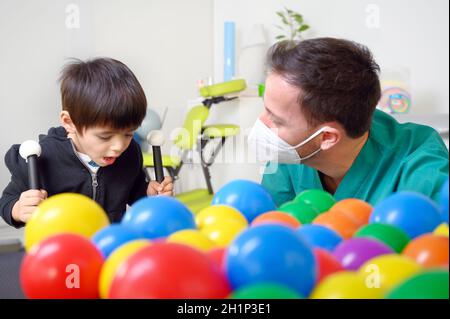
(104, 138)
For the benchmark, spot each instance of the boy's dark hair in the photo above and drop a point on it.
(338, 80)
(102, 92)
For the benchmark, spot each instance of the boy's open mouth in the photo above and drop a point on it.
(109, 160)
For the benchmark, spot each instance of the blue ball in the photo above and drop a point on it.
(111, 237)
(158, 216)
(444, 201)
(412, 212)
(271, 253)
(248, 197)
(319, 236)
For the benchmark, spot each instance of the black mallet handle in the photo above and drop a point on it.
(157, 162)
(33, 179)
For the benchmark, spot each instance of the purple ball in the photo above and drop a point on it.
(353, 253)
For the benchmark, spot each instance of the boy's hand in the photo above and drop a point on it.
(27, 203)
(165, 188)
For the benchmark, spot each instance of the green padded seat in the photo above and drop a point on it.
(167, 160)
(224, 88)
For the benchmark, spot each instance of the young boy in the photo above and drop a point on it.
(93, 152)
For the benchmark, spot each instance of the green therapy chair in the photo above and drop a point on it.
(195, 136)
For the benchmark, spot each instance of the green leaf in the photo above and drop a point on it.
(283, 18)
(298, 18)
(279, 37)
(303, 28)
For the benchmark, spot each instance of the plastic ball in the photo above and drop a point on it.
(168, 271)
(61, 266)
(112, 264)
(320, 236)
(64, 213)
(248, 197)
(276, 218)
(222, 234)
(442, 230)
(326, 264)
(111, 237)
(353, 253)
(304, 213)
(338, 221)
(217, 214)
(345, 285)
(271, 253)
(158, 216)
(192, 238)
(317, 198)
(387, 271)
(357, 209)
(412, 212)
(265, 291)
(426, 285)
(217, 255)
(390, 235)
(429, 250)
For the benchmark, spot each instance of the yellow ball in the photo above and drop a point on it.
(217, 214)
(223, 233)
(345, 285)
(442, 230)
(64, 213)
(112, 264)
(388, 271)
(193, 238)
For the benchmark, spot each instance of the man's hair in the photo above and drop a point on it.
(338, 80)
(102, 92)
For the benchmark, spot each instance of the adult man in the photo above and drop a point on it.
(320, 119)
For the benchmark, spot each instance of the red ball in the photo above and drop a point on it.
(62, 266)
(168, 271)
(217, 255)
(326, 264)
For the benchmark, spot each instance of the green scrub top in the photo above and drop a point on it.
(395, 157)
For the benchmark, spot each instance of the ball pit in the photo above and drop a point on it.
(241, 247)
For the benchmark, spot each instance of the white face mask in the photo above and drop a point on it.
(270, 147)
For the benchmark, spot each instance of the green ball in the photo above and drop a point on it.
(388, 234)
(426, 285)
(304, 213)
(316, 198)
(265, 291)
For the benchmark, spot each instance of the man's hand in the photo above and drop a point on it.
(165, 188)
(27, 203)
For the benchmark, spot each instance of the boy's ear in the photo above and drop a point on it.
(67, 123)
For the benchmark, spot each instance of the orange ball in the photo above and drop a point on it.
(357, 209)
(429, 250)
(277, 217)
(338, 221)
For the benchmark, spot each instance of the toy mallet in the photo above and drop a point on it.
(156, 140)
(30, 150)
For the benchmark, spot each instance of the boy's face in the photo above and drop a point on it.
(102, 144)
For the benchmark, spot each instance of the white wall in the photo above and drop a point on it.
(167, 43)
(412, 34)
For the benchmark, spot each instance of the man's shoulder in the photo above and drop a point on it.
(412, 138)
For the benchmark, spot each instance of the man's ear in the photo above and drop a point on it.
(330, 137)
(67, 123)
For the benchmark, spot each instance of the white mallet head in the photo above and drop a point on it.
(29, 148)
(155, 138)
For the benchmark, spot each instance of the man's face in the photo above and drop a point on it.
(282, 113)
(102, 144)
